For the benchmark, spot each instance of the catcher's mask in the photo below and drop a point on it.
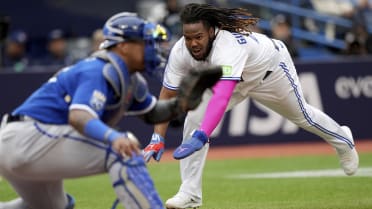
(128, 26)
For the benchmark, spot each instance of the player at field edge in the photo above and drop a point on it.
(255, 66)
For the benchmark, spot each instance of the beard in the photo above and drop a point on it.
(207, 51)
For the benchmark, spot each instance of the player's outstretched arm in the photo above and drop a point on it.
(217, 105)
(189, 95)
(156, 146)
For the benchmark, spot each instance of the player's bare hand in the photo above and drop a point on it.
(126, 145)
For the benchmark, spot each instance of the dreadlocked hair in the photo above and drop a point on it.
(237, 20)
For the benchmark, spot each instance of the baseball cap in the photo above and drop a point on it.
(56, 34)
(17, 36)
(280, 19)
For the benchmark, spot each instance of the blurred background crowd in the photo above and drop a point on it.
(43, 35)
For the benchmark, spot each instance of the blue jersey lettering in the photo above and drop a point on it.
(240, 38)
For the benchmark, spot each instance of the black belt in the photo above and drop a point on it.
(15, 118)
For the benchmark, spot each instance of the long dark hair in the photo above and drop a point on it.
(236, 20)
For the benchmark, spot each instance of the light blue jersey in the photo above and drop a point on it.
(84, 86)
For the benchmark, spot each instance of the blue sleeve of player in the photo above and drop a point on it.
(142, 101)
(142, 107)
(91, 94)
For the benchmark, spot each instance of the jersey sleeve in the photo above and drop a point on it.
(91, 94)
(143, 101)
(230, 53)
(140, 107)
(176, 67)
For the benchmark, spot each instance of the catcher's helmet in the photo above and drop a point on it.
(128, 26)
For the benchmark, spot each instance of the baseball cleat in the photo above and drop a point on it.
(182, 201)
(349, 159)
(16, 203)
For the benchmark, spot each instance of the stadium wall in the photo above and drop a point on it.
(343, 89)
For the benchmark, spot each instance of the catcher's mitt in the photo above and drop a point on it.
(194, 84)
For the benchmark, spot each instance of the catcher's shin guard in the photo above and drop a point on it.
(132, 184)
(71, 202)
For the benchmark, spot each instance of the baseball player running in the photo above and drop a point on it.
(63, 130)
(255, 66)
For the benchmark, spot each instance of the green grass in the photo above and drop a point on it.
(221, 192)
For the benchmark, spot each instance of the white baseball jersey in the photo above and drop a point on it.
(245, 58)
(248, 59)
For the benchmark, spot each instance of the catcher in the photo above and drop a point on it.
(64, 129)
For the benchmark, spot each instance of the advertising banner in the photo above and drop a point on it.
(343, 90)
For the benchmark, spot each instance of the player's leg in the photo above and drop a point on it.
(51, 158)
(282, 93)
(132, 183)
(37, 152)
(20, 150)
(130, 179)
(38, 194)
(191, 167)
(129, 176)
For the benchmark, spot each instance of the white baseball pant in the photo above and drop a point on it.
(282, 93)
(36, 157)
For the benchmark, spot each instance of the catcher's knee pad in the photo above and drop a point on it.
(133, 185)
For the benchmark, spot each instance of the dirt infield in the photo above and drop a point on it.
(273, 150)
